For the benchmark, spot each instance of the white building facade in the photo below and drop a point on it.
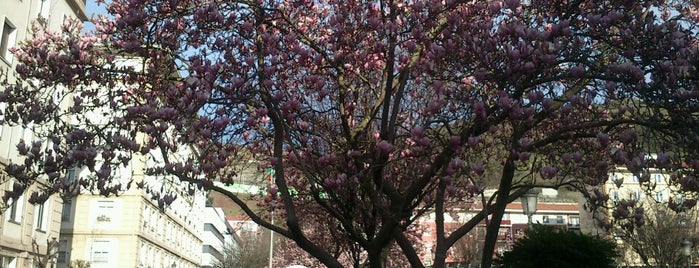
(216, 237)
(28, 233)
(131, 231)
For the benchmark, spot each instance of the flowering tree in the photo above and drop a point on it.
(370, 113)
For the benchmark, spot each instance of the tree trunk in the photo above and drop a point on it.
(440, 249)
(409, 251)
(377, 259)
(493, 228)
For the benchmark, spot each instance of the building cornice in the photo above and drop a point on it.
(79, 7)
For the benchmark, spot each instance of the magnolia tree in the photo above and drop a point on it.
(371, 114)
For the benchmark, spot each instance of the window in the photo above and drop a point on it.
(9, 32)
(100, 251)
(67, 207)
(14, 210)
(614, 178)
(615, 195)
(72, 182)
(8, 262)
(657, 178)
(145, 215)
(160, 223)
(158, 257)
(546, 219)
(28, 134)
(659, 197)
(559, 219)
(153, 220)
(17, 208)
(142, 254)
(3, 105)
(44, 11)
(41, 215)
(575, 221)
(62, 246)
(636, 195)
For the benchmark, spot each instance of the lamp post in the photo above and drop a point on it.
(529, 201)
(687, 250)
(686, 244)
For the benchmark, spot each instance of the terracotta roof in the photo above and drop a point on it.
(547, 206)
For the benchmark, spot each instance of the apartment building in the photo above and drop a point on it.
(630, 186)
(28, 233)
(217, 236)
(130, 231)
(653, 193)
(133, 230)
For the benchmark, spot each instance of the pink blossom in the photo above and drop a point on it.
(662, 160)
(473, 141)
(603, 139)
(524, 143)
(512, 4)
(455, 141)
(479, 110)
(548, 172)
(577, 71)
(384, 147)
(418, 132)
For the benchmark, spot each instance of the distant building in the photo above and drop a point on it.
(559, 214)
(101, 231)
(28, 233)
(650, 192)
(216, 237)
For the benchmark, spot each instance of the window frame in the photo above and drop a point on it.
(41, 217)
(659, 196)
(16, 209)
(8, 38)
(3, 107)
(62, 252)
(575, 221)
(8, 261)
(560, 219)
(67, 210)
(657, 178)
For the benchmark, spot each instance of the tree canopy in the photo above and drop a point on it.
(371, 113)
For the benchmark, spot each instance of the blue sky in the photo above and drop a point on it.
(92, 8)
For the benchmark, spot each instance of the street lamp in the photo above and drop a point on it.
(687, 250)
(529, 200)
(685, 243)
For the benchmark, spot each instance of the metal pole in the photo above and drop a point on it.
(271, 243)
(271, 233)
